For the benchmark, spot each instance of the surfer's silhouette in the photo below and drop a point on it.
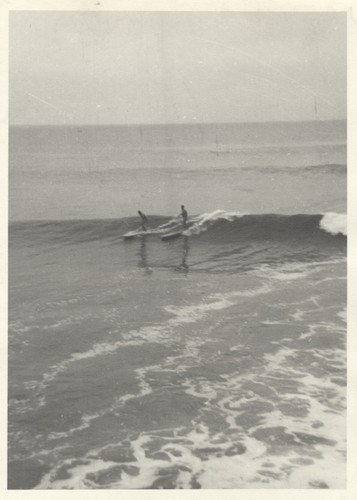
(184, 215)
(144, 220)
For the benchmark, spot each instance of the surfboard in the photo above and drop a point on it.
(133, 234)
(171, 236)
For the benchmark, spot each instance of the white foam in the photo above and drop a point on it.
(334, 223)
(269, 322)
(156, 333)
(293, 271)
(311, 389)
(285, 272)
(298, 315)
(343, 315)
(218, 214)
(85, 423)
(329, 470)
(203, 221)
(215, 302)
(189, 314)
(205, 391)
(144, 389)
(77, 480)
(19, 327)
(239, 471)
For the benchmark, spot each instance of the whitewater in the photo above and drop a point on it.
(214, 360)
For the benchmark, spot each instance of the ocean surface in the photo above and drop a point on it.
(213, 360)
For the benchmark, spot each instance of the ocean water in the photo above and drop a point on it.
(213, 360)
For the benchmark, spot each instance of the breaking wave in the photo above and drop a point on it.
(217, 227)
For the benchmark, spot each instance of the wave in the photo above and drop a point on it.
(79, 230)
(326, 168)
(322, 230)
(263, 225)
(215, 227)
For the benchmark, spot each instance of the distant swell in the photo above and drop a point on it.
(320, 169)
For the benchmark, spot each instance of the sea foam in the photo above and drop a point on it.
(334, 223)
(203, 221)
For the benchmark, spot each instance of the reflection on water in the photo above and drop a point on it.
(143, 256)
(143, 261)
(185, 251)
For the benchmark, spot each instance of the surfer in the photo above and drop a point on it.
(144, 220)
(184, 215)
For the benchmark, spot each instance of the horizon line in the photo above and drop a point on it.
(311, 120)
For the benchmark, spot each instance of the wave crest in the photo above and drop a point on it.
(334, 223)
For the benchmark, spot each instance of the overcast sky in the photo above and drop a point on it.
(175, 67)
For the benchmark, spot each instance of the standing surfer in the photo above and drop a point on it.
(144, 220)
(184, 215)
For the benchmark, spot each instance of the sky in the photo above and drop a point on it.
(79, 67)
